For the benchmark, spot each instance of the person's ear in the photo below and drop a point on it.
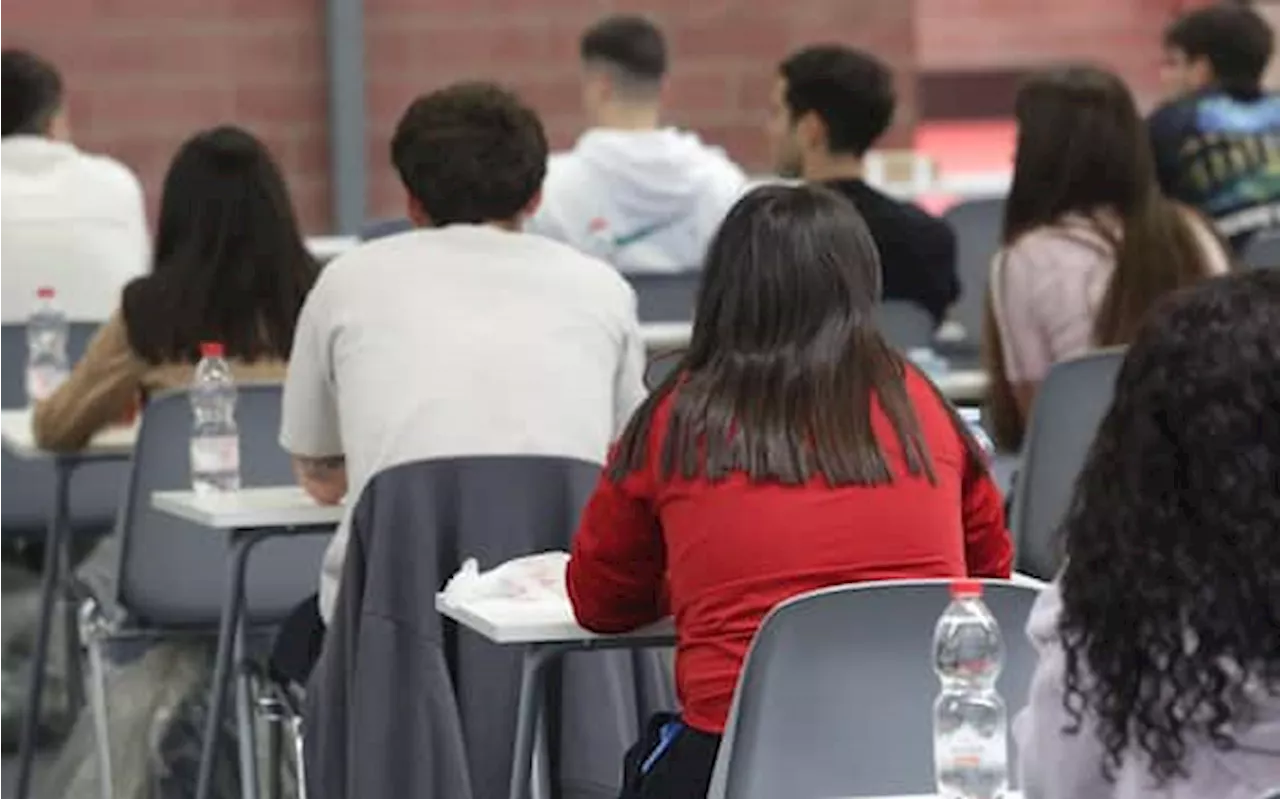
(811, 132)
(60, 125)
(1200, 69)
(531, 207)
(417, 214)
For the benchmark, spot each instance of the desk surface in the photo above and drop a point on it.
(1007, 795)
(543, 625)
(248, 508)
(111, 443)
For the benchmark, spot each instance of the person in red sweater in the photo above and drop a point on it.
(792, 449)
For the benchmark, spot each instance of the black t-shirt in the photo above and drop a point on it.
(1221, 154)
(917, 251)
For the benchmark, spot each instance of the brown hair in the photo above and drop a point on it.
(1083, 149)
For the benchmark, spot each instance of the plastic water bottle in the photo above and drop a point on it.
(215, 439)
(970, 728)
(47, 364)
(973, 420)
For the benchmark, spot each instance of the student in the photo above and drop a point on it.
(230, 266)
(464, 337)
(68, 220)
(643, 197)
(1217, 140)
(773, 461)
(830, 104)
(1089, 243)
(1159, 672)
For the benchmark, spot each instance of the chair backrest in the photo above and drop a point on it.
(836, 696)
(379, 228)
(1263, 251)
(977, 225)
(666, 296)
(172, 572)
(28, 486)
(904, 324)
(1068, 409)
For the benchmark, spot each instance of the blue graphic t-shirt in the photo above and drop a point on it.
(1221, 154)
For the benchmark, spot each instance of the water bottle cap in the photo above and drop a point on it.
(45, 292)
(966, 589)
(211, 349)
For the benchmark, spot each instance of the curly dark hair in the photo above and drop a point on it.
(470, 153)
(1170, 600)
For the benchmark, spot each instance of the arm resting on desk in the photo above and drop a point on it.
(324, 479)
(617, 573)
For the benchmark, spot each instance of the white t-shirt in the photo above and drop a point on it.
(463, 340)
(69, 220)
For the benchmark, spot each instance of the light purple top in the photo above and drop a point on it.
(1055, 765)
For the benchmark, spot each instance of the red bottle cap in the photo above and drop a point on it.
(966, 589)
(211, 349)
(45, 292)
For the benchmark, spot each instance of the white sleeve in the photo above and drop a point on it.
(309, 425)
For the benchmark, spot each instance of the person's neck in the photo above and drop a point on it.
(825, 168)
(627, 116)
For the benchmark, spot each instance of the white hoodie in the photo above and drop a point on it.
(72, 221)
(645, 201)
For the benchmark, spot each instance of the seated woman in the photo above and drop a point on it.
(1159, 671)
(229, 266)
(1089, 241)
(791, 449)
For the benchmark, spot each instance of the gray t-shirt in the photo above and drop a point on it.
(457, 341)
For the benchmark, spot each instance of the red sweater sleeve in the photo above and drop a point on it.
(988, 551)
(616, 574)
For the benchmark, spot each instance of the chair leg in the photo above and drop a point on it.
(98, 698)
(245, 727)
(300, 765)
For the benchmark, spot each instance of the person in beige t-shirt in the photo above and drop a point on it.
(1089, 241)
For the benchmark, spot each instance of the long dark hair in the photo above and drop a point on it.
(229, 264)
(1170, 589)
(785, 361)
(1083, 149)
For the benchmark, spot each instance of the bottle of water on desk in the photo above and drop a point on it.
(215, 439)
(47, 364)
(970, 729)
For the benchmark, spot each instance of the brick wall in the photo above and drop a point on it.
(1124, 35)
(142, 75)
(724, 53)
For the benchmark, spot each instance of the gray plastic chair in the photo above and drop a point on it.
(1068, 409)
(977, 225)
(1263, 251)
(666, 296)
(28, 486)
(836, 696)
(904, 324)
(171, 578)
(380, 228)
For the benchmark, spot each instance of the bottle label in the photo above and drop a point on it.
(215, 454)
(42, 381)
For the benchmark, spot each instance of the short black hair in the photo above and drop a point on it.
(850, 91)
(1236, 40)
(630, 44)
(470, 153)
(32, 92)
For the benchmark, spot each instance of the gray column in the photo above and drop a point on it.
(344, 54)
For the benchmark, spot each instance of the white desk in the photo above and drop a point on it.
(246, 517)
(545, 638)
(113, 443)
(326, 248)
(659, 336)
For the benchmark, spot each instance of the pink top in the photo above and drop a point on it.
(1048, 287)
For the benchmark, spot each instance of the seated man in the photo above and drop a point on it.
(68, 220)
(830, 104)
(642, 197)
(1217, 141)
(464, 337)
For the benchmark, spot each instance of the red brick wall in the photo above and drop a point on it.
(1002, 34)
(143, 75)
(724, 53)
